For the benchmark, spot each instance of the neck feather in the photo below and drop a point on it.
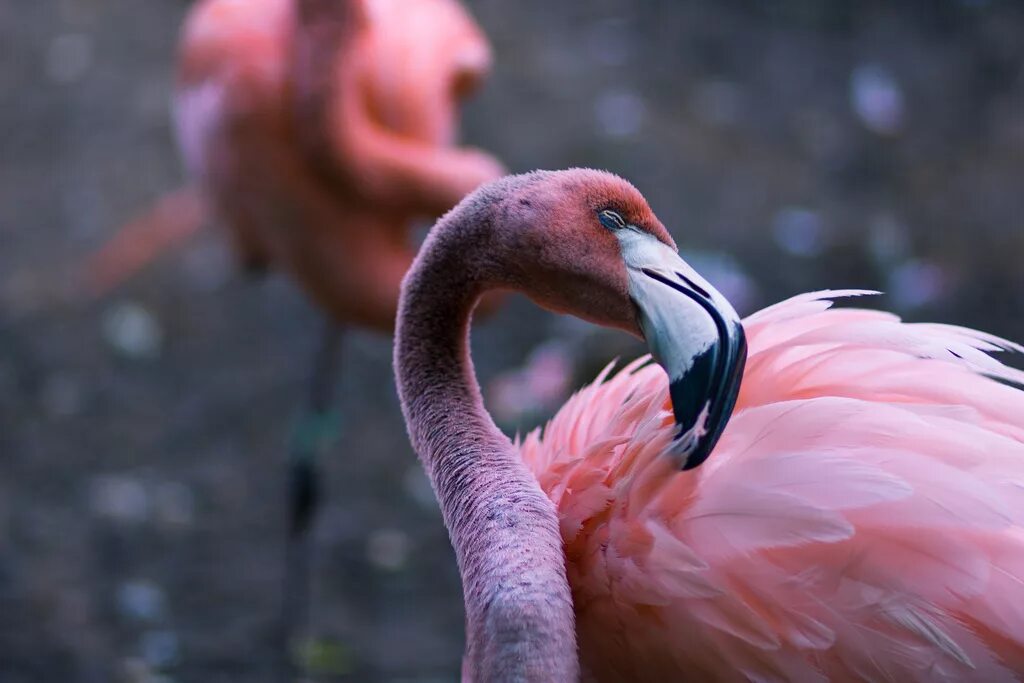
(324, 36)
(519, 617)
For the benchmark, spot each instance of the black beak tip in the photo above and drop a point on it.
(699, 454)
(707, 393)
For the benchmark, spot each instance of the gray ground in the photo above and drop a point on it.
(789, 144)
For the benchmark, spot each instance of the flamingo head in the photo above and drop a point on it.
(587, 243)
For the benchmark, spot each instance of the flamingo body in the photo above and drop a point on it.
(318, 132)
(861, 519)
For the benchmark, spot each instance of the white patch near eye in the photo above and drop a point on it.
(642, 250)
(682, 331)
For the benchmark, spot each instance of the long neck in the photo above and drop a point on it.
(519, 617)
(322, 28)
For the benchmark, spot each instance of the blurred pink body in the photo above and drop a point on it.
(861, 519)
(318, 131)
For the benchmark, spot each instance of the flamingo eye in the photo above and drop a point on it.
(611, 220)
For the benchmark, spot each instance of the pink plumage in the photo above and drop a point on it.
(861, 519)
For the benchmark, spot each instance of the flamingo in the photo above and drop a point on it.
(317, 132)
(858, 516)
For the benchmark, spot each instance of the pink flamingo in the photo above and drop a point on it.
(861, 518)
(317, 132)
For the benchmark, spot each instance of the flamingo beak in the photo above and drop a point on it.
(694, 334)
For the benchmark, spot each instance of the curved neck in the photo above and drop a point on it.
(519, 617)
(322, 27)
(324, 35)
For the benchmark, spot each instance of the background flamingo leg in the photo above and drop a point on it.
(316, 431)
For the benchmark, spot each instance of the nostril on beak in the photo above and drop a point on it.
(697, 288)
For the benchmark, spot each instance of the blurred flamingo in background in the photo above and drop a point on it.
(861, 518)
(317, 132)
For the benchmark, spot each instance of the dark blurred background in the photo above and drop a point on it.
(789, 144)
